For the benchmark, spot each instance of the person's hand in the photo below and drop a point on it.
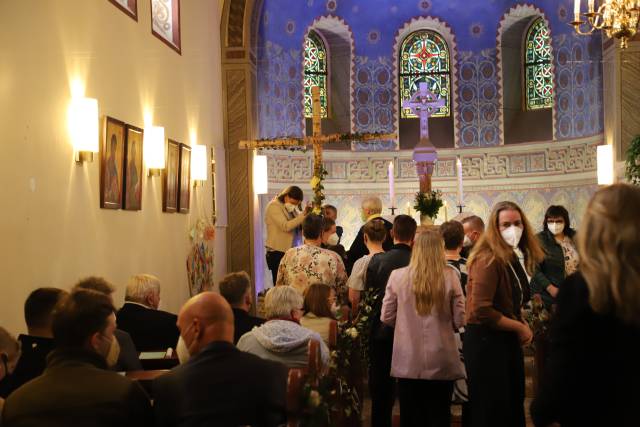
(308, 208)
(553, 290)
(524, 334)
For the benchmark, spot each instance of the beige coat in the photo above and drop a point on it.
(281, 228)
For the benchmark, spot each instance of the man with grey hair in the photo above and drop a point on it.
(151, 329)
(281, 338)
(371, 209)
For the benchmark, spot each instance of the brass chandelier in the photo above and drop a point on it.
(616, 18)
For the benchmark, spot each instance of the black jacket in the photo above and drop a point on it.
(358, 249)
(128, 359)
(243, 323)
(31, 364)
(150, 329)
(592, 377)
(222, 386)
(76, 389)
(551, 269)
(378, 272)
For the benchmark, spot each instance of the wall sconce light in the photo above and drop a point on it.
(83, 128)
(260, 175)
(605, 164)
(154, 148)
(198, 164)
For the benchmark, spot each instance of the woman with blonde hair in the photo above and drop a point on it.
(425, 305)
(593, 376)
(497, 288)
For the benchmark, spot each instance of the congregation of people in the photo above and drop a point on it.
(449, 308)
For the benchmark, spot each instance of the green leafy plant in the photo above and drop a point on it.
(633, 161)
(428, 203)
(318, 189)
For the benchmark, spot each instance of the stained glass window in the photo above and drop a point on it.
(424, 57)
(537, 65)
(315, 72)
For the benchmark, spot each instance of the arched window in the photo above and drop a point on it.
(538, 76)
(315, 72)
(424, 57)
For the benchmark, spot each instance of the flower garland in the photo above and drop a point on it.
(333, 397)
(201, 256)
(538, 318)
(318, 190)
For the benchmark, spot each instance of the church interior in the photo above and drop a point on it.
(173, 126)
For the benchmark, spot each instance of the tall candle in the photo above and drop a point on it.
(445, 205)
(392, 189)
(409, 208)
(576, 10)
(591, 5)
(460, 190)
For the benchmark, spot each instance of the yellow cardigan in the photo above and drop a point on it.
(281, 228)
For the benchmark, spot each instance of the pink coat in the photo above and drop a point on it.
(424, 347)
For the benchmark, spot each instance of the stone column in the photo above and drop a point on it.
(621, 73)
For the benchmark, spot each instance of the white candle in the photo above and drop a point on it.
(460, 190)
(409, 208)
(392, 189)
(576, 9)
(445, 205)
(591, 5)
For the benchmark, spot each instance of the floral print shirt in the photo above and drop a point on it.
(571, 257)
(307, 265)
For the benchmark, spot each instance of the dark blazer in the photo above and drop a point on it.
(128, 359)
(551, 269)
(592, 377)
(150, 329)
(339, 232)
(31, 364)
(76, 389)
(378, 272)
(221, 386)
(243, 323)
(358, 249)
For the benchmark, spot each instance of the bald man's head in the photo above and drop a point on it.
(205, 318)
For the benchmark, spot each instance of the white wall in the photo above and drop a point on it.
(52, 230)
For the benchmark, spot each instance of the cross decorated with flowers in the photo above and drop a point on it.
(317, 140)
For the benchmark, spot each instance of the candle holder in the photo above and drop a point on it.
(393, 210)
(460, 207)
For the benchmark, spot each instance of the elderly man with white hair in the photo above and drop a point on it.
(151, 329)
(371, 209)
(281, 338)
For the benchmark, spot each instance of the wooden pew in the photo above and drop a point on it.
(295, 384)
(158, 363)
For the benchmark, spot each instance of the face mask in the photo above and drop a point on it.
(512, 235)
(556, 228)
(333, 240)
(290, 207)
(467, 242)
(113, 352)
(182, 351)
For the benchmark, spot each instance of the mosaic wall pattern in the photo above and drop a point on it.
(478, 100)
(577, 64)
(579, 102)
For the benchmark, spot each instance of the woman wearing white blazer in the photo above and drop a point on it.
(283, 221)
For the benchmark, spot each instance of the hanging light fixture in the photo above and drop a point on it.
(616, 18)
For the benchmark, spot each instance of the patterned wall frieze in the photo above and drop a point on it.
(518, 161)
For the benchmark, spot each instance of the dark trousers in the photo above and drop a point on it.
(381, 384)
(273, 262)
(495, 372)
(425, 402)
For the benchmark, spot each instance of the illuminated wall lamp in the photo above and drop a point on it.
(154, 149)
(605, 164)
(260, 176)
(83, 128)
(199, 164)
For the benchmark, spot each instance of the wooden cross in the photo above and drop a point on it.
(317, 140)
(424, 104)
